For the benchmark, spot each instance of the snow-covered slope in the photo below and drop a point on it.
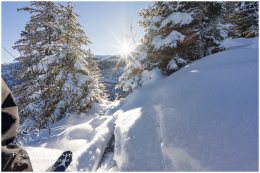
(202, 118)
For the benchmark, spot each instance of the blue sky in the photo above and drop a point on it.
(103, 22)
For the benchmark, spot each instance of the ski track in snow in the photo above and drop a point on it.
(86, 140)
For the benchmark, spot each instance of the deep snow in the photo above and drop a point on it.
(85, 135)
(204, 117)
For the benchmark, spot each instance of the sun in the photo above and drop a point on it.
(125, 49)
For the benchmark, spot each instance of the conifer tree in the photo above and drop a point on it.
(136, 63)
(176, 33)
(228, 19)
(211, 27)
(245, 18)
(81, 76)
(61, 76)
(38, 41)
(186, 30)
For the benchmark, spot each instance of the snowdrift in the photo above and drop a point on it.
(204, 117)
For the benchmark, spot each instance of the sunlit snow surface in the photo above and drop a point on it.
(85, 135)
(204, 117)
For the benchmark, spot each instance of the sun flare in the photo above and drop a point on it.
(125, 49)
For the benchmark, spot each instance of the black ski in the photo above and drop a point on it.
(63, 162)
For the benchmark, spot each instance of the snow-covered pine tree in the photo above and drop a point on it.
(245, 18)
(136, 63)
(79, 73)
(61, 76)
(185, 31)
(228, 8)
(38, 41)
(175, 33)
(211, 29)
(144, 57)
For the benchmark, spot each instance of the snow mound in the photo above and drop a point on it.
(150, 77)
(204, 117)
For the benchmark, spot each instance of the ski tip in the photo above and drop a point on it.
(63, 162)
